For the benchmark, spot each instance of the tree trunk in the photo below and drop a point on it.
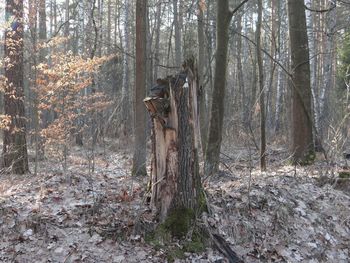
(240, 75)
(66, 26)
(313, 46)
(178, 49)
(261, 90)
(139, 158)
(210, 28)
(100, 26)
(42, 28)
(15, 154)
(126, 71)
(55, 16)
(176, 185)
(271, 81)
(109, 26)
(279, 94)
(44, 117)
(280, 74)
(328, 68)
(157, 40)
(217, 109)
(202, 91)
(302, 139)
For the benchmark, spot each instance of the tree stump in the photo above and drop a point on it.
(177, 194)
(175, 181)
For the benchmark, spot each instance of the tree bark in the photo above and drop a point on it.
(178, 48)
(126, 71)
(157, 40)
(139, 157)
(328, 68)
(261, 90)
(55, 16)
(109, 26)
(176, 185)
(212, 153)
(202, 91)
(281, 56)
(42, 28)
(100, 26)
(302, 138)
(240, 75)
(313, 46)
(66, 27)
(44, 117)
(15, 156)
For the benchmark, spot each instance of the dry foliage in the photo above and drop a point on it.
(66, 90)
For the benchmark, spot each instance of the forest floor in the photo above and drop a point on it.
(287, 214)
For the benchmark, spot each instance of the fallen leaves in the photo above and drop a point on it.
(284, 216)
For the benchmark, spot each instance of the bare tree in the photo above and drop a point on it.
(212, 153)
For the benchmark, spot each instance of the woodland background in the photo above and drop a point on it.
(76, 51)
(74, 117)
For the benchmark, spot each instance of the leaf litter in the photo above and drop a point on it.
(282, 215)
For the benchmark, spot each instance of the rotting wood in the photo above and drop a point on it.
(173, 107)
(177, 195)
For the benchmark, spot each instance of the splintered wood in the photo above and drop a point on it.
(173, 108)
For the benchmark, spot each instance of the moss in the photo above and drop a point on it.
(159, 237)
(200, 239)
(150, 239)
(179, 221)
(308, 159)
(175, 253)
(178, 224)
(160, 240)
(344, 174)
(196, 245)
(202, 202)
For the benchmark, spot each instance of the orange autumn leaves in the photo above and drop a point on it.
(66, 89)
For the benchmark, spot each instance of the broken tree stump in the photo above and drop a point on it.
(175, 182)
(177, 195)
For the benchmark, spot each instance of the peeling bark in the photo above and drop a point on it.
(175, 180)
